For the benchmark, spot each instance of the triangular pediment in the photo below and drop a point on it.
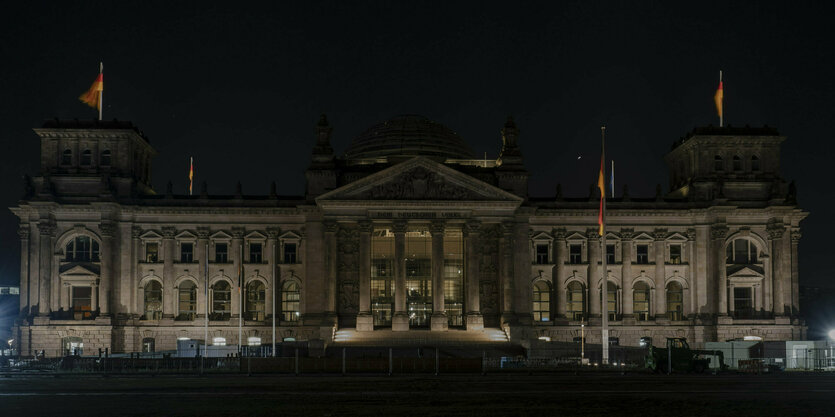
(677, 237)
(541, 236)
(575, 236)
(79, 270)
(747, 271)
(419, 179)
(643, 237)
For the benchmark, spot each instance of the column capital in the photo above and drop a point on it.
(203, 232)
(238, 232)
(23, 231)
(399, 226)
(331, 226)
(775, 230)
(592, 234)
(718, 231)
(691, 234)
(168, 232)
(437, 227)
(796, 235)
(273, 232)
(506, 227)
(365, 226)
(472, 227)
(659, 234)
(558, 233)
(627, 234)
(107, 228)
(135, 232)
(46, 228)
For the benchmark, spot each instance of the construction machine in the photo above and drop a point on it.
(678, 357)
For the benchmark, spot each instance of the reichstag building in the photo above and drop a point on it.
(406, 231)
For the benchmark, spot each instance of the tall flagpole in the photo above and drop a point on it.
(604, 286)
(240, 298)
(274, 286)
(206, 294)
(101, 91)
(722, 112)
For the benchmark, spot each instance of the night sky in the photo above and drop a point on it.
(240, 86)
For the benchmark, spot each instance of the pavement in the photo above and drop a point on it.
(584, 394)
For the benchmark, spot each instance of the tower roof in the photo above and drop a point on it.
(408, 135)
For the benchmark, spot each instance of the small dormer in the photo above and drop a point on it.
(727, 163)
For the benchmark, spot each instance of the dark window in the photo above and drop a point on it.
(221, 300)
(255, 300)
(743, 301)
(82, 249)
(152, 252)
(66, 157)
(576, 301)
(186, 252)
(542, 254)
(741, 251)
(675, 300)
(640, 301)
(755, 163)
(290, 253)
(255, 253)
(718, 165)
(86, 158)
(610, 254)
(187, 308)
(221, 253)
(675, 254)
(737, 163)
(643, 254)
(575, 254)
(105, 158)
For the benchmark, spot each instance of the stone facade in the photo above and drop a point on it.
(421, 235)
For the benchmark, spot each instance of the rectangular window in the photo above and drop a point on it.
(255, 253)
(610, 254)
(152, 252)
(675, 254)
(575, 254)
(290, 253)
(541, 254)
(82, 302)
(221, 253)
(643, 254)
(186, 252)
(743, 302)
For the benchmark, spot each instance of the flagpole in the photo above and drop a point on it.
(612, 186)
(240, 298)
(604, 286)
(206, 293)
(275, 283)
(722, 113)
(101, 91)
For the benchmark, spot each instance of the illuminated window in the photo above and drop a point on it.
(218, 341)
(82, 249)
(575, 254)
(640, 301)
(153, 300)
(221, 253)
(612, 300)
(73, 346)
(675, 254)
(82, 297)
(382, 276)
(221, 300)
(643, 254)
(255, 300)
(152, 252)
(576, 301)
(290, 296)
(148, 345)
(541, 301)
(187, 301)
(253, 341)
(675, 299)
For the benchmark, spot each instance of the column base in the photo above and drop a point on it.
(400, 322)
(365, 322)
(475, 322)
(330, 318)
(508, 317)
(439, 322)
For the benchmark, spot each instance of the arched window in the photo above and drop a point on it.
(187, 301)
(153, 300)
(148, 345)
(640, 301)
(612, 300)
(105, 158)
(737, 163)
(86, 158)
(82, 249)
(541, 301)
(675, 301)
(755, 163)
(221, 301)
(718, 165)
(290, 296)
(576, 301)
(741, 252)
(255, 296)
(66, 157)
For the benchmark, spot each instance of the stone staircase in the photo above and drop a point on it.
(420, 337)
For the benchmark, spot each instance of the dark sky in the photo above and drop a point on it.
(240, 86)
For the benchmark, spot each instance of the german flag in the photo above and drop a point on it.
(718, 98)
(92, 97)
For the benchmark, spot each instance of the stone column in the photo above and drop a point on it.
(522, 285)
(168, 253)
(202, 252)
(365, 321)
(136, 256)
(795, 285)
(659, 249)
(593, 240)
(691, 291)
(236, 247)
(718, 234)
(506, 268)
(558, 275)
(23, 234)
(275, 280)
(731, 306)
(472, 276)
(626, 273)
(400, 319)
(774, 287)
(106, 274)
(331, 264)
(438, 321)
(34, 267)
(45, 230)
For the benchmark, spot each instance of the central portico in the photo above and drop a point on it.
(404, 244)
